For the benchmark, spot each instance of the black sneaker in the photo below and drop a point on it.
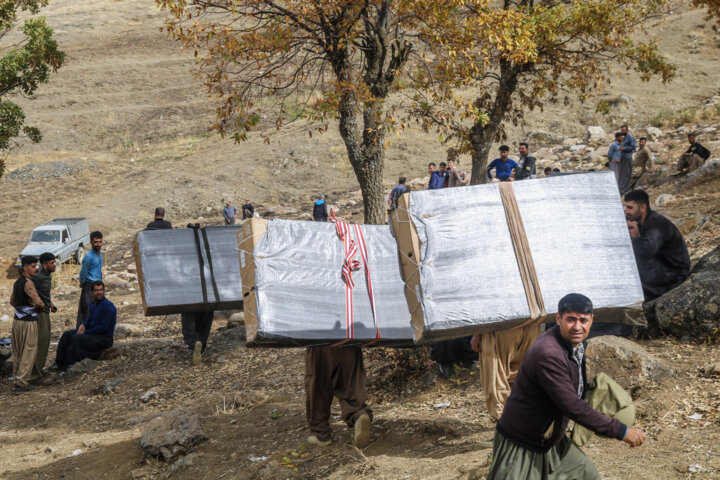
(27, 388)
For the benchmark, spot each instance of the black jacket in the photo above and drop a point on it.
(698, 149)
(545, 393)
(320, 212)
(248, 210)
(43, 284)
(661, 254)
(527, 168)
(159, 224)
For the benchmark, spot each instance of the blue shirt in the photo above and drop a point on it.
(395, 194)
(614, 151)
(101, 319)
(229, 212)
(91, 269)
(437, 180)
(628, 147)
(503, 170)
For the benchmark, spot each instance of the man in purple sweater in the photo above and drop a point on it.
(530, 441)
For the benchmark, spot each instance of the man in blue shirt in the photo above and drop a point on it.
(397, 192)
(94, 336)
(503, 166)
(627, 148)
(437, 179)
(229, 213)
(90, 271)
(615, 156)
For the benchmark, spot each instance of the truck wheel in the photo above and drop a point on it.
(79, 254)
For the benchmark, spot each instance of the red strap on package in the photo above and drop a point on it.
(350, 265)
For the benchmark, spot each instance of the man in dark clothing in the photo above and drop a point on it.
(339, 372)
(660, 250)
(448, 353)
(530, 441)
(94, 336)
(43, 285)
(694, 157)
(437, 180)
(248, 210)
(320, 211)
(27, 303)
(444, 174)
(159, 223)
(196, 330)
(397, 192)
(526, 163)
(503, 166)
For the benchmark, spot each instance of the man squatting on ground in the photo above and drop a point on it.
(530, 441)
(93, 336)
(660, 251)
(339, 372)
(27, 304)
(43, 285)
(91, 271)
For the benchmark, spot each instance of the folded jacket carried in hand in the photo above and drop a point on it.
(490, 257)
(295, 293)
(187, 269)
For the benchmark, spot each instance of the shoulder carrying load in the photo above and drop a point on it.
(295, 293)
(496, 256)
(188, 269)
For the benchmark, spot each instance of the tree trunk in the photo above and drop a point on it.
(483, 136)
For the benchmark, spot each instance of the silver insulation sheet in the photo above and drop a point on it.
(301, 294)
(469, 277)
(180, 270)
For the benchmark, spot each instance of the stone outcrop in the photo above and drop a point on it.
(171, 435)
(624, 361)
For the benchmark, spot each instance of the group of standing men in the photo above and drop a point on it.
(31, 329)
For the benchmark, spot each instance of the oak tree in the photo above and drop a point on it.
(29, 55)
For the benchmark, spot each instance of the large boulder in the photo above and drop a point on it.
(708, 171)
(171, 435)
(624, 361)
(654, 133)
(595, 134)
(692, 310)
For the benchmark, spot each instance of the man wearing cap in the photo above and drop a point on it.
(27, 304)
(550, 390)
(503, 166)
(43, 284)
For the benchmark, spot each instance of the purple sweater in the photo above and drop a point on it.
(546, 392)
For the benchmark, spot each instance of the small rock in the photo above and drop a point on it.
(131, 267)
(124, 330)
(180, 465)
(709, 130)
(654, 133)
(711, 370)
(695, 468)
(624, 361)
(83, 366)
(595, 134)
(172, 434)
(578, 148)
(149, 395)
(236, 319)
(109, 386)
(541, 137)
(664, 199)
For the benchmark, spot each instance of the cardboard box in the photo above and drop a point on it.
(185, 270)
(295, 295)
(461, 270)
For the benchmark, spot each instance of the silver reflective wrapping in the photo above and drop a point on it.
(469, 277)
(301, 294)
(170, 269)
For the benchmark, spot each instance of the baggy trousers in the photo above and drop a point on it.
(502, 354)
(196, 327)
(692, 163)
(73, 347)
(339, 372)
(86, 299)
(624, 174)
(24, 344)
(43, 329)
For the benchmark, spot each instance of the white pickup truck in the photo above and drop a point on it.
(66, 238)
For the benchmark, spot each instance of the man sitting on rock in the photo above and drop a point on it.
(94, 335)
(550, 390)
(660, 250)
(694, 157)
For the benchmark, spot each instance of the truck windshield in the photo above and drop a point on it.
(52, 236)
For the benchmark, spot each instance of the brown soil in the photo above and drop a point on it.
(126, 104)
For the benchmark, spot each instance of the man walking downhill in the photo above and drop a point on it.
(626, 160)
(336, 372)
(27, 304)
(43, 285)
(530, 441)
(91, 271)
(196, 331)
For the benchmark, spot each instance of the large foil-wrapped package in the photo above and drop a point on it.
(187, 269)
(461, 260)
(295, 294)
